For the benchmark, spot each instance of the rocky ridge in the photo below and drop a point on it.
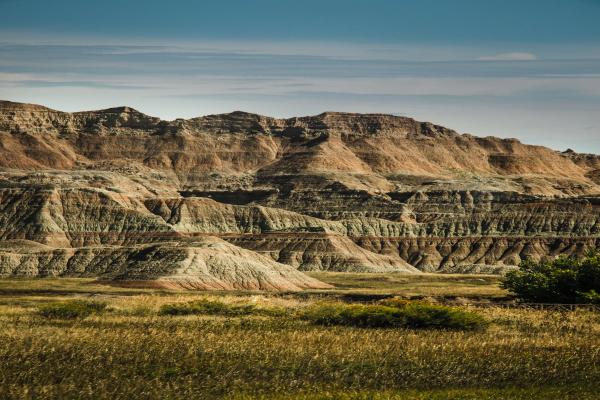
(336, 191)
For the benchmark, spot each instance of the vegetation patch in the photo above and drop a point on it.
(75, 309)
(413, 315)
(564, 280)
(530, 354)
(215, 307)
(529, 393)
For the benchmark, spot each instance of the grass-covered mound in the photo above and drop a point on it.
(75, 309)
(395, 314)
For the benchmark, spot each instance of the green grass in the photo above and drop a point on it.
(135, 352)
(391, 314)
(547, 393)
(216, 307)
(118, 356)
(421, 285)
(412, 315)
(392, 284)
(71, 309)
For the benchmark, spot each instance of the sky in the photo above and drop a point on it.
(528, 69)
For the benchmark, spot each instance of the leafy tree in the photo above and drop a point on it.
(564, 280)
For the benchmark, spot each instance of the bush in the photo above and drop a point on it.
(564, 280)
(405, 315)
(372, 316)
(214, 307)
(398, 302)
(441, 317)
(76, 309)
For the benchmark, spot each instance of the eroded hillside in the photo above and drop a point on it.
(244, 201)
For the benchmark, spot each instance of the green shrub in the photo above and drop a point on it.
(76, 309)
(564, 280)
(429, 316)
(591, 297)
(397, 302)
(372, 316)
(409, 315)
(214, 307)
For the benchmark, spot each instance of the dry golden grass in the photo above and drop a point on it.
(132, 352)
(428, 285)
(359, 283)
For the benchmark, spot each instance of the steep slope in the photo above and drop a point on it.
(239, 143)
(207, 264)
(310, 251)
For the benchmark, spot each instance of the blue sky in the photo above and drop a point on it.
(526, 69)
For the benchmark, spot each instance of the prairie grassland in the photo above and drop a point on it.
(406, 285)
(130, 351)
(426, 285)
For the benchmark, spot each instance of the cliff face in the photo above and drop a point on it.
(336, 191)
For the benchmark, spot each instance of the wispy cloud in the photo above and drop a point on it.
(451, 86)
(515, 56)
(38, 83)
(187, 70)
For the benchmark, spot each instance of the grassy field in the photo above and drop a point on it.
(132, 351)
(473, 287)
(346, 284)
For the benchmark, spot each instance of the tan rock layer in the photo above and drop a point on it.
(207, 263)
(115, 188)
(36, 137)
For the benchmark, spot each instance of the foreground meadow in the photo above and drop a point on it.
(133, 350)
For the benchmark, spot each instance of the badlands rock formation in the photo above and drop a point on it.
(243, 201)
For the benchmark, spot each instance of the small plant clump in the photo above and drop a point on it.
(214, 307)
(396, 314)
(75, 309)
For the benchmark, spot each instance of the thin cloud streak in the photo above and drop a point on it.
(515, 56)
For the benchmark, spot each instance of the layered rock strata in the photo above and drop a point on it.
(336, 191)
